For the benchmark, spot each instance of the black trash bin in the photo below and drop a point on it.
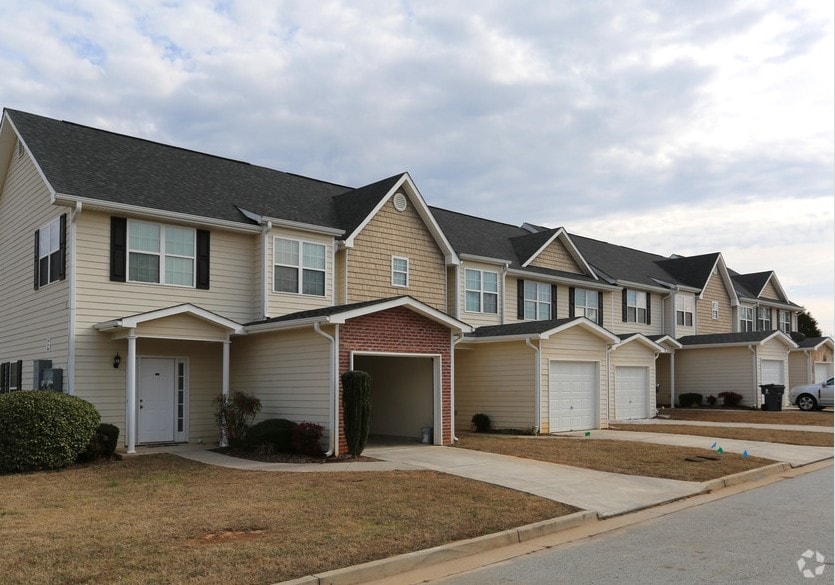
(772, 396)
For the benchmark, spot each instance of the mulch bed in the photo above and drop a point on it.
(288, 457)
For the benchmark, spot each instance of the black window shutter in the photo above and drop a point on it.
(37, 258)
(520, 299)
(571, 302)
(203, 247)
(553, 301)
(118, 248)
(19, 380)
(649, 308)
(62, 248)
(600, 308)
(624, 312)
(4, 386)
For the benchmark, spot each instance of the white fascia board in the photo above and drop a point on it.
(776, 282)
(156, 214)
(645, 341)
(669, 340)
(561, 279)
(484, 259)
(671, 286)
(584, 323)
(305, 227)
(499, 338)
(787, 341)
(414, 305)
(133, 321)
(768, 303)
(722, 269)
(285, 325)
(639, 286)
(826, 341)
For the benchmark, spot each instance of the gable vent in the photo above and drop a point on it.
(399, 201)
(20, 150)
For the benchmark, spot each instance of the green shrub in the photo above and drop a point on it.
(690, 399)
(102, 445)
(711, 400)
(271, 435)
(305, 439)
(730, 398)
(43, 430)
(234, 414)
(481, 423)
(356, 402)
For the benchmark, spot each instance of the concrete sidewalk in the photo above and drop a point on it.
(606, 493)
(699, 423)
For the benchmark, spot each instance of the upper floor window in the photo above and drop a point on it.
(299, 267)
(685, 306)
(399, 271)
(636, 306)
(746, 318)
(161, 253)
(763, 319)
(11, 376)
(714, 310)
(587, 304)
(481, 291)
(785, 321)
(537, 299)
(50, 247)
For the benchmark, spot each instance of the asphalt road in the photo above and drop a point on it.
(754, 537)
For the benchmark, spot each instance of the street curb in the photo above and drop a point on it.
(746, 476)
(448, 552)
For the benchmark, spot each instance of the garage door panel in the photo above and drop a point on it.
(772, 372)
(631, 392)
(573, 395)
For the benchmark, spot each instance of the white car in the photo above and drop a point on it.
(812, 396)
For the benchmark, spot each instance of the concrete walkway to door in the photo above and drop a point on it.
(606, 493)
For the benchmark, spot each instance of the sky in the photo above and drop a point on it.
(674, 127)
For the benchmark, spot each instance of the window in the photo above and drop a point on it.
(399, 271)
(785, 321)
(685, 305)
(161, 253)
(50, 246)
(636, 306)
(481, 291)
(746, 318)
(763, 319)
(714, 310)
(537, 299)
(11, 376)
(299, 267)
(587, 304)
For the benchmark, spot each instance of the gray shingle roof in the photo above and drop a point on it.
(476, 236)
(621, 263)
(323, 312)
(521, 328)
(691, 271)
(721, 338)
(750, 285)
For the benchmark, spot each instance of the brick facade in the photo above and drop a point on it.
(398, 330)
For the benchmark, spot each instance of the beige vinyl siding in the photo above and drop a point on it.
(770, 292)
(34, 323)
(289, 371)
(618, 325)
(496, 379)
(633, 354)
(800, 365)
(714, 291)
(709, 371)
(282, 303)
(556, 257)
(682, 330)
(340, 276)
(452, 298)
(473, 318)
(402, 234)
(573, 345)
(182, 327)
(663, 376)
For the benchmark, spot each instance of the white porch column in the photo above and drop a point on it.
(130, 423)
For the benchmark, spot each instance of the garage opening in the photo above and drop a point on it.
(404, 390)
(573, 396)
(631, 392)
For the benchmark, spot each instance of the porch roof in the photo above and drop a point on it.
(123, 324)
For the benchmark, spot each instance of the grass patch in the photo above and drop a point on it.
(163, 519)
(742, 433)
(630, 458)
(821, 418)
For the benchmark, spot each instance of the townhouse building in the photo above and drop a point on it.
(149, 279)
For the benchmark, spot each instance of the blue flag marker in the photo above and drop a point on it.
(745, 454)
(714, 445)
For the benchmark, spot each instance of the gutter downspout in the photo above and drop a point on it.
(333, 441)
(537, 387)
(754, 372)
(455, 341)
(266, 228)
(664, 312)
(503, 298)
(72, 299)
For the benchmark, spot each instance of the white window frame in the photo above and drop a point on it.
(636, 306)
(300, 266)
(746, 319)
(763, 323)
(714, 310)
(534, 300)
(49, 247)
(162, 254)
(685, 307)
(398, 272)
(785, 318)
(481, 293)
(587, 308)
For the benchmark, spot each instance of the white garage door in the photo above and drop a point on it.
(631, 392)
(572, 391)
(823, 371)
(772, 372)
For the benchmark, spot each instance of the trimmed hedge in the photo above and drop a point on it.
(689, 399)
(274, 434)
(40, 429)
(356, 409)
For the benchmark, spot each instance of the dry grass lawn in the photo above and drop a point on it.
(163, 519)
(784, 417)
(616, 456)
(745, 434)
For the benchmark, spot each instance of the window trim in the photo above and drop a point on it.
(395, 271)
(162, 254)
(750, 321)
(300, 267)
(685, 309)
(762, 323)
(714, 310)
(636, 308)
(537, 302)
(787, 322)
(55, 257)
(581, 310)
(481, 291)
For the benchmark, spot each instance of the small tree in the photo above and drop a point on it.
(356, 402)
(234, 414)
(808, 325)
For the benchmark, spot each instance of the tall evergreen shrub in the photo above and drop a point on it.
(356, 404)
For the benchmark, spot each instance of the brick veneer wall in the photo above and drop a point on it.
(398, 330)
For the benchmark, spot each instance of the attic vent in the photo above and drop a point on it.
(19, 149)
(399, 201)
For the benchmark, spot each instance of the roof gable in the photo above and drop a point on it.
(738, 338)
(544, 329)
(693, 271)
(532, 247)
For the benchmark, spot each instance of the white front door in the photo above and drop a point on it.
(156, 394)
(572, 392)
(631, 392)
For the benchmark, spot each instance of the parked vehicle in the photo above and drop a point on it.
(812, 396)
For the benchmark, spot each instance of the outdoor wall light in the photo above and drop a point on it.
(117, 359)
